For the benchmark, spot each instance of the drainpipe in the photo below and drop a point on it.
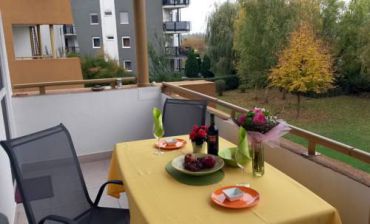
(141, 43)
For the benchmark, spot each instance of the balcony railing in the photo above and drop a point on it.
(69, 30)
(176, 51)
(113, 82)
(72, 50)
(312, 138)
(176, 3)
(180, 26)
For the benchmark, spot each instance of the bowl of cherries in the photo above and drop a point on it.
(197, 164)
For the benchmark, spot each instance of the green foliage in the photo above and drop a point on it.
(220, 86)
(353, 47)
(192, 65)
(262, 29)
(219, 38)
(206, 66)
(159, 64)
(101, 66)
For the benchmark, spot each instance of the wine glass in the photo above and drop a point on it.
(158, 134)
(238, 159)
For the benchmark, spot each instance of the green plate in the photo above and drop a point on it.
(178, 164)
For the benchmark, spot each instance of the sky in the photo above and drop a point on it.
(197, 13)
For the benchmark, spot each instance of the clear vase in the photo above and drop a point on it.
(199, 148)
(258, 159)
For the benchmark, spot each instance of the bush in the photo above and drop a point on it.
(100, 67)
(192, 65)
(242, 88)
(231, 81)
(208, 74)
(220, 87)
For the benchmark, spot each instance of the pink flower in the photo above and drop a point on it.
(242, 119)
(259, 118)
(257, 110)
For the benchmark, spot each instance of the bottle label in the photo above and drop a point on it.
(212, 138)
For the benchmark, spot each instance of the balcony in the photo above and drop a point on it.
(102, 113)
(176, 27)
(171, 4)
(69, 30)
(176, 51)
(72, 50)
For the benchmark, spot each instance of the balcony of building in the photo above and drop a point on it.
(176, 51)
(99, 120)
(173, 4)
(69, 30)
(176, 27)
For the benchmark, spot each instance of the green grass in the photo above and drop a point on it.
(344, 118)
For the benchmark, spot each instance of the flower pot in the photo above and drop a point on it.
(199, 148)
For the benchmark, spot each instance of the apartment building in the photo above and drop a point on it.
(33, 33)
(107, 26)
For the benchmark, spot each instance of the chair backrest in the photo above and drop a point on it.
(179, 116)
(3, 219)
(48, 174)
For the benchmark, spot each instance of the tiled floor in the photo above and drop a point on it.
(95, 174)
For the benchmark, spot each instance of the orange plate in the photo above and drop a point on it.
(249, 199)
(179, 144)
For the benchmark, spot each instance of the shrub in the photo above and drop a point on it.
(99, 67)
(231, 81)
(220, 87)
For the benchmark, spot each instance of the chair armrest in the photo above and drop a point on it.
(101, 190)
(57, 218)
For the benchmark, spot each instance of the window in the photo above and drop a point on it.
(126, 42)
(123, 17)
(127, 65)
(94, 19)
(108, 13)
(96, 42)
(110, 37)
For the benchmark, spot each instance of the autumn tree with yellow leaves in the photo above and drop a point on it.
(304, 66)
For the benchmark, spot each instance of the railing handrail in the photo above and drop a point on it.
(312, 138)
(42, 85)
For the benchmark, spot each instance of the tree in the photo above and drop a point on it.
(206, 66)
(159, 64)
(219, 38)
(353, 47)
(304, 66)
(192, 65)
(194, 41)
(261, 30)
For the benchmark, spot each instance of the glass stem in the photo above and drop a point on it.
(159, 145)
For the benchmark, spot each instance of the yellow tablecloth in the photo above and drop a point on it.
(155, 197)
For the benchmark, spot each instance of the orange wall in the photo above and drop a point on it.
(57, 12)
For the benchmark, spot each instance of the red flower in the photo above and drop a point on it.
(198, 133)
(259, 118)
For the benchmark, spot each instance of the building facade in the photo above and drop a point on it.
(107, 27)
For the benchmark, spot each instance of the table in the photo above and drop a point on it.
(155, 197)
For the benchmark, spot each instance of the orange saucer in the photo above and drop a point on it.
(249, 199)
(179, 144)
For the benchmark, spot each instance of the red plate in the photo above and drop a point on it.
(179, 144)
(249, 199)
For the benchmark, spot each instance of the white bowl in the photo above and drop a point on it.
(233, 194)
(170, 141)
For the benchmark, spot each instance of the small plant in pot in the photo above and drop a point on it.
(198, 136)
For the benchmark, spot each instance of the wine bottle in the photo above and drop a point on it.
(212, 137)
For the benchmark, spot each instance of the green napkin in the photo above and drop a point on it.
(158, 130)
(243, 149)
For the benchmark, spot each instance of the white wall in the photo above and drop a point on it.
(109, 28)
(96, 120)
(21, 41)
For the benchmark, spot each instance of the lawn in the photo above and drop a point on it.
(342, 118)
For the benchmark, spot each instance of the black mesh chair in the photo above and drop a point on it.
(179, 116)
(50, 181)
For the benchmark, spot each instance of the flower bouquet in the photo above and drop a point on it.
(198, 136)
(261, 127)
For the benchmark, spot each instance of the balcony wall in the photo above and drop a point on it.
(96, 120)
(45, 70)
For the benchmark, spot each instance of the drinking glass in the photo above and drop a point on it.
(158, 135)
(239, 157)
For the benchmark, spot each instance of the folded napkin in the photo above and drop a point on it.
(242, 149)
(157, 121)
